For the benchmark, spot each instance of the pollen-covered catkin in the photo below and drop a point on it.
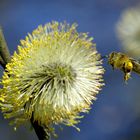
(55, 74)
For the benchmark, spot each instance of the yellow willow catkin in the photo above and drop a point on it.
(54, 76)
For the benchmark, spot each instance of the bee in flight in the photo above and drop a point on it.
(125, 63)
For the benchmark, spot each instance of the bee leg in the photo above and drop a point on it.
(127, 76)
(112, 66)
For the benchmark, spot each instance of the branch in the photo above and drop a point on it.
(4, 51)
(42, 132)
(2, 63)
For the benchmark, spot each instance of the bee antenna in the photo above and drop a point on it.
(105, 56)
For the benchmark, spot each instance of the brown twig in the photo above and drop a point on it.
(4, 51)
(2, 63)
(42, 132)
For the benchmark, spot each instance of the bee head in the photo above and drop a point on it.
(111, 58)
(111, 55)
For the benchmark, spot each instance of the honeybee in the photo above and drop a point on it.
(125, 63)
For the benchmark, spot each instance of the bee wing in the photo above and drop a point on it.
(136, 65)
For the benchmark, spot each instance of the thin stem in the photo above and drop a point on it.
(42, 132)
(4, 51)
(2, 63)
